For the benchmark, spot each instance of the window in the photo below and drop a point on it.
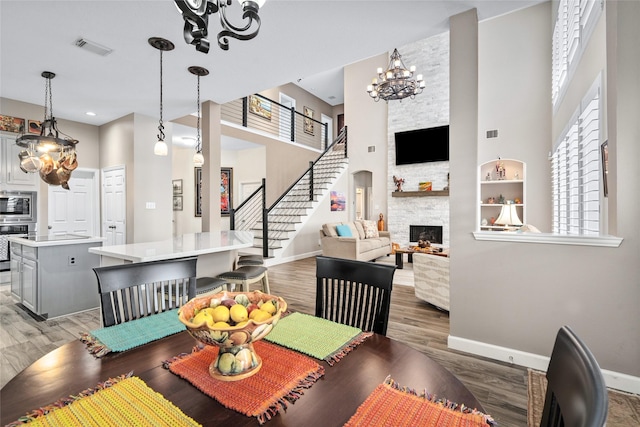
(575, 22)
(575, 168)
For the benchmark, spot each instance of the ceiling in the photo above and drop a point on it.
(301, 41)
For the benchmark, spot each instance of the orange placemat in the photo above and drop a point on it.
(394, 406)
(283, 377)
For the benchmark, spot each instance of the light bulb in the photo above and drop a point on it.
(160, 149)
(198, 159)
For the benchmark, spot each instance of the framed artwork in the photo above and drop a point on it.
(177, 203)
(338, 201)
(226, 190)
(177, 186)
(35, 127)
(308, 123)
(260, 107)
(198, 187)
(604, 151)
(12, 124)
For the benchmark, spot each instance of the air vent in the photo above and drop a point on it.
(371, 149)
(94, 47)
(492, 133)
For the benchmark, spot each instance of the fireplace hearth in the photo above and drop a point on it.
(433, 233)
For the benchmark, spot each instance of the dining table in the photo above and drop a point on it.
(330, 401)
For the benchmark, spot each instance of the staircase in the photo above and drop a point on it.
(290, 212)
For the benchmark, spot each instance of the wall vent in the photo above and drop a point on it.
(492, 133)
(371, 149)
(94, 47)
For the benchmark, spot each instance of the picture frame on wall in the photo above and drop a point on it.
(604, 155)
(308, 123)
(35, 126)
(260, 107)
(177, 186)
(226, 190)
(177, 203)
(11, 124)
(198, 187)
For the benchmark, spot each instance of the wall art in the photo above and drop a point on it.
(177, 186)
(308, 123)
(177, 203)
(338, 201)
(260, 107)
(226, 190)
(198, 187)
(11, 124)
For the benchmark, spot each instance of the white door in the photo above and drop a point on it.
(75, 211)
(114, 206)
(329, 122)
(285, 115)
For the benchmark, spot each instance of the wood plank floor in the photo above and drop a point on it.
(502, 388)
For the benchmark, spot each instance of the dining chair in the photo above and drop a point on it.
(132, 291)
(354, 293)
(576, 391)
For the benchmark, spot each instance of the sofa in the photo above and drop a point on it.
(431, 279)
(358, 240)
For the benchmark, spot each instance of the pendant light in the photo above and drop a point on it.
(198, 158)
(160, 148)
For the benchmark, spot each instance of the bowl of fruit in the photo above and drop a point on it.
(233, 321)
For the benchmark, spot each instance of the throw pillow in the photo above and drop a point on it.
(343, 231)
(370, 229)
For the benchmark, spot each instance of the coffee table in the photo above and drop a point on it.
(410, 251)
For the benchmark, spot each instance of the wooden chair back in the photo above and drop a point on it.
(132, 291)
(354, 293)
(576, 391)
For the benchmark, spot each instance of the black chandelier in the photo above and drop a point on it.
(396, 82)
(196, 20)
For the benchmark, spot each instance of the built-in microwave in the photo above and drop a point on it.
(18, 207)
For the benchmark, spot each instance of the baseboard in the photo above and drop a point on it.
(281, 260)
(616, 380)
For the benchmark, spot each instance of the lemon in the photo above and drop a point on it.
(268, 307)
(260, 315)
(238, 313)
(220, 325)
(220, 314)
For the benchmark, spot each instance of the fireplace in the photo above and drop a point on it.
(433, 233)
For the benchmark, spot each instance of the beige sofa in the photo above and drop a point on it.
(431, 279)
(364, 244)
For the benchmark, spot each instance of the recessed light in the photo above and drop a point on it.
(90, 113)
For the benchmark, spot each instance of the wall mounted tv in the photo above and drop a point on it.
(422, 145)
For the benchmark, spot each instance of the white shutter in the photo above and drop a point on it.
(590, 167)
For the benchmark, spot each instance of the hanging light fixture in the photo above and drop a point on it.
(196, 20)
(198, 158)
(396, 82)
(47, 153)
(163, 45)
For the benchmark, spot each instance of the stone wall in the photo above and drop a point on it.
(428, 109)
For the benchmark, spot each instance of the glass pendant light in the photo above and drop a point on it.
(198, 158)
(161, 148)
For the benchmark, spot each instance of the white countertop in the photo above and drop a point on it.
(179, 247)
(55, 240)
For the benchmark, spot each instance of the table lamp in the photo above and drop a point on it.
(508, 216)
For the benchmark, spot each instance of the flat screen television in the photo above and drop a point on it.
(422, 145)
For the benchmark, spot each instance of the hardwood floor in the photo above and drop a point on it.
(502, 388)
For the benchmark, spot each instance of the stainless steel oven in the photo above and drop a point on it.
(18, 207)
(15, 230)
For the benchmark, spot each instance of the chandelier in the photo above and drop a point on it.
(196, 20)
(49, 154)
(396, 82)
(198, 158)
(160, 148)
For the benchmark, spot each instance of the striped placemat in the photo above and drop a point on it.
(317, 337)
(391, 405)
(283, 377)
(118, 401)
(125, 336)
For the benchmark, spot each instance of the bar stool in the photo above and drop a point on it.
(249, 260)
(206, 285)
(247, 275)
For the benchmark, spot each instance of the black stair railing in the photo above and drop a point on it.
(247, 214)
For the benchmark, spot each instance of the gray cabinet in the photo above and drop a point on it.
(24, 276)
(11, 175)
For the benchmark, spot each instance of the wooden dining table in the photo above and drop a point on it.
(331, 401)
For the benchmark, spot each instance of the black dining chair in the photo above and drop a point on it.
(576, 391)
(354, 293)
(132, 291)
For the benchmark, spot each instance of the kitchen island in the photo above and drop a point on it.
(216, 251)
(52, 275)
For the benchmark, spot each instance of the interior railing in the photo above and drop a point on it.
(249, 213)
(266, 115)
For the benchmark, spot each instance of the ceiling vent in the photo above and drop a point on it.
(94, 47)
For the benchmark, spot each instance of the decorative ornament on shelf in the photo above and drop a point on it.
(398, 182)
(381, 222)
(53, 157)
(501, 171)
(196, 21)
(160, 148)
(396, 82)
(198, 158)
